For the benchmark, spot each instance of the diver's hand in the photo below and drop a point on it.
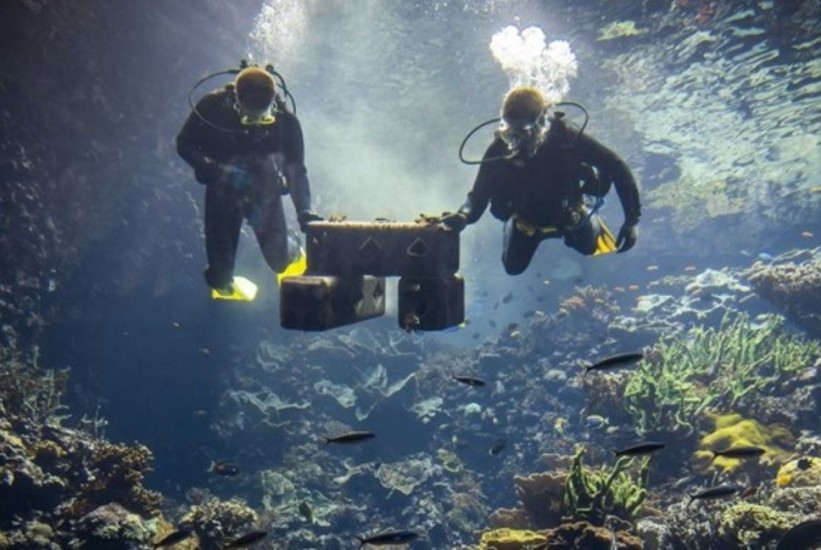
(454, 221)
(307, 216)
(628, 234)
(207, 172)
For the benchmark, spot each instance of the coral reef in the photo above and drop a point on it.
(216, 522)
(793, 283)
(53, 477)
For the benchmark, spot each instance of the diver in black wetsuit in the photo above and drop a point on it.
(248, 150)
(535, 176)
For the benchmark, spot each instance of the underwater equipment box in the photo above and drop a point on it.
(384, 249)
(431, 304)
(325, 302)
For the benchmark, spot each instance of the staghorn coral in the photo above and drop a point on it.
(216, 521)
(793, 287)
(592, 495)
(681, 378)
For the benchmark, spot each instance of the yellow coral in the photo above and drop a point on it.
(800, 472)
(732, 430)
(511, 539)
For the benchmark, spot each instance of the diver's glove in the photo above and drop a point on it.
(454, 221)
(307, 216)
(628, 234)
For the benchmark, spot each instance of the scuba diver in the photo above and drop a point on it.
(536, 174)
(247, 149)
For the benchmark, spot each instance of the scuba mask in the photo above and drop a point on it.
(522, 136)
(261, 118)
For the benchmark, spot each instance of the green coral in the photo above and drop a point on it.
(592, 495)
(710, 368)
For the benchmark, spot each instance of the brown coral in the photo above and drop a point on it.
(794, 287)
(541, 502)
(118, 472)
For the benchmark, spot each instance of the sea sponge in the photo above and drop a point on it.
(732, 430)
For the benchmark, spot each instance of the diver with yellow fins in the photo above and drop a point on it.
(247, 148)
(536, 175)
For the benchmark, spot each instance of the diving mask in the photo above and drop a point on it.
(264, 119)
(521, 135)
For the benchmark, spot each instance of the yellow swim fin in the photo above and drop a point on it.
(605, 242)
(296, 267)
(241, 289)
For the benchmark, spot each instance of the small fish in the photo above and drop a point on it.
(804, 463)
(388, 537)
(689, 268)
(645, 448)
(595, 421)
(808, 235)
(764, 257)
(507, 298)
(513, 327)
(618, 360)
(749, 492)
(652, 268)
(632, 287)
(804, 536)
(224, 468)
(470, 381)
(719, 491)
(306, 511)
(748, 451)
(498, 446)
(246, 540)
(173, 538)
(349, 438)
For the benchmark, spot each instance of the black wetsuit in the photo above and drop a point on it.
(547, 190)
(271, 162)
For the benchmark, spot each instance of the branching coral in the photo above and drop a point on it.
(26, 389)
(592, 495)
(117, 475)
(681, 378)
